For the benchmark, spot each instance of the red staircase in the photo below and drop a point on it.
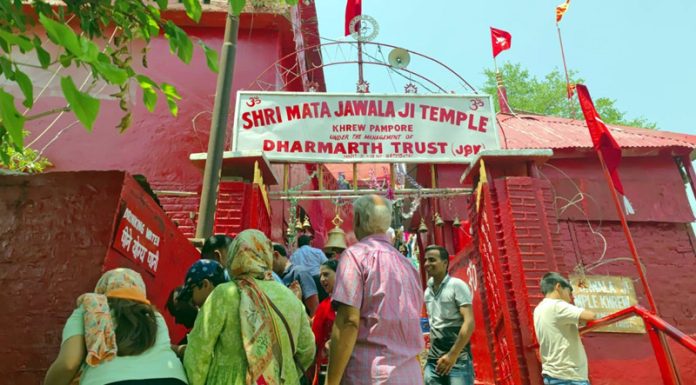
(241, 206)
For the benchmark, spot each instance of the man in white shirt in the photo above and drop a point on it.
(556, 321)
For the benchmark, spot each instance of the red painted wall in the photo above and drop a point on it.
(537, 234)
(666, 249)
(56, 240)
(157, 144)
(668, 253)
(665, 241)
(652, 183)
(44, 264)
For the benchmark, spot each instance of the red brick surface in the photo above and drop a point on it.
(666, 249)
(55, 235)
(528, 219)
(183, 211)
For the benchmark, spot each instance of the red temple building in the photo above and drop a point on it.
(61, 230)
(547, 205)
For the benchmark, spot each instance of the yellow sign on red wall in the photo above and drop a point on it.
(606, 294)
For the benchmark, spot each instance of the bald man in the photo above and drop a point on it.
(378, 300)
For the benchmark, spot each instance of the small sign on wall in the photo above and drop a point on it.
(138, 237)
(604, 295)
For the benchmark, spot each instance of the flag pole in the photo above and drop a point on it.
(636, 260)
(565, 69)
(497, 81)
(498, 86)
(629, 237)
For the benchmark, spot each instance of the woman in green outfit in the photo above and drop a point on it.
(240, 336)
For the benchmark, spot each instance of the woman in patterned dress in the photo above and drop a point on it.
(116, 336)
(239, 338)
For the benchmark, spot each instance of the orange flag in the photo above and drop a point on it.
(571, 90)
(561, 10)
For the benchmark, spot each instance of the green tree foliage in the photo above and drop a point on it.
(27, 160)
(76, 30)
(547, 96)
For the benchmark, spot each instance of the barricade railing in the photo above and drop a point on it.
(657, 329)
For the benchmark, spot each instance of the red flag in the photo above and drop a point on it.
(601, 137)
(353, 9)
(501, 41)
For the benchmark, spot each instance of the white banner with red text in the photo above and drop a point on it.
(334, 128)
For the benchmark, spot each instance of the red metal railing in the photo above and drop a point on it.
(657, 328)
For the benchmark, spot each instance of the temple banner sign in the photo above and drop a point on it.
(335, 128)
(604, 294)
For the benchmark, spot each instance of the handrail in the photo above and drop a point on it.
(656, 328)
(649, 318)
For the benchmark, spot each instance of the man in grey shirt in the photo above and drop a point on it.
(448, 301)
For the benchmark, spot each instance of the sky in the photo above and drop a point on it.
(639, 53)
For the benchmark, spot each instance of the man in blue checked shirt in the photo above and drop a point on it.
(308, 256)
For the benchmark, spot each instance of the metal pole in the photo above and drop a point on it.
(686, 162)
(320, 175)
(422, 244)
(392, 176)
(333, 197)
(360, 63)
(286, 177)
(565, 68)
(438, 232)
(218, 125)
(663, 359)
(400, 191)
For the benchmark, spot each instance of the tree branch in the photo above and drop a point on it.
(49, 112)
(28, 65)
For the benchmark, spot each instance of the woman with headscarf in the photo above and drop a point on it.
(116, 336)
(252, 330)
